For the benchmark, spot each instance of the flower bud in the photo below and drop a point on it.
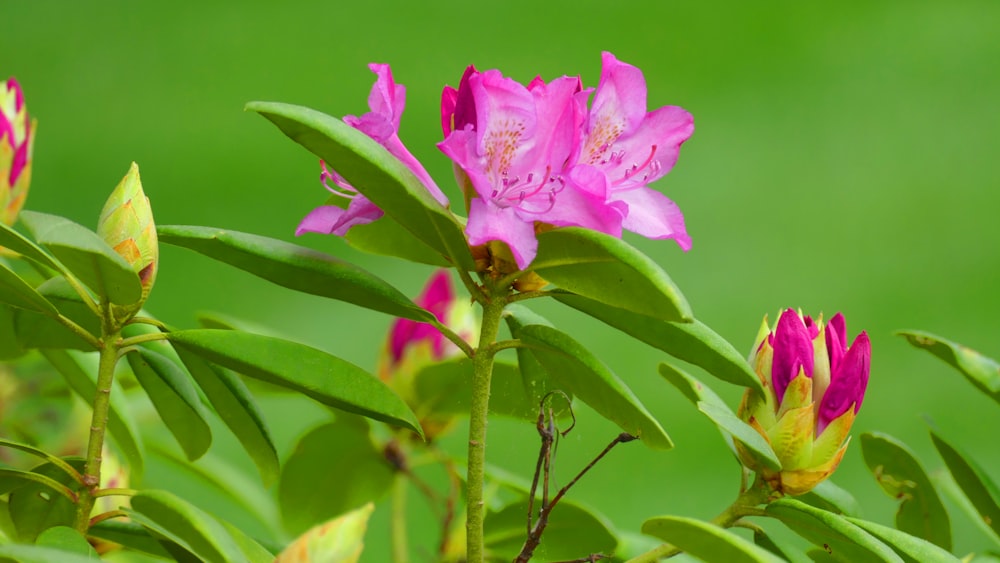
(340, 539)
(413, 345)
(127, 226)
(17, 139)
(814, 385)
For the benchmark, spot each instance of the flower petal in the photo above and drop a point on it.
(848, 383)
(329, 219)
(386, 98)
(488, 221)
(792, 350)
(620, 100)
(653, 215)
(836, 340)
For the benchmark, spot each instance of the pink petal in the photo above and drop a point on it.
(621, 96)
(458, 107)
(488, 221)
(847, 384)
(387, 98)
(329, 219)
(505, 118)
(560, 115)
(582, 203)
(650, 150)
(399, 150)
(792, 350)
(653, 215)
(836, 340)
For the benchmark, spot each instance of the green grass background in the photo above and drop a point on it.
(845, 158)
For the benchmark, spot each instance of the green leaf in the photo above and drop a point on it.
(313, 486)
(13, 479)
(41, 554)
(573, 532)
(41, 331)
(86, 256)
(18, 293)
(316, 374)
(758, 446)
(534, 379)
(780, 548)
(236, 407)
(900, 475)
(693, 342)
(295, 267)
(35, 507)
(66, 539)
(386, 237)
(830, 497)
(574, 369)
(17, 242)
(843, 540)
(175, 399)
(10, 348)
(129, 534)
(974, 482)
(375, 173)
(46, 456)
(980, 370)
(120, 424)
(911, 548)
(186, 525)
(609, 270)
(705, 541)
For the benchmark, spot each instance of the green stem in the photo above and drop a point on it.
(454, 337)
(400, 549)
(744, 505)
(79, 330)
(482, 363)
(98, 426)
(143, 338)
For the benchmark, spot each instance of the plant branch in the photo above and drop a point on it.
(400, 549)
(453, 337)
(143, 338)
(506, 345)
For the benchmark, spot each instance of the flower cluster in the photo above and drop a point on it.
(814, 385)
(17, 137)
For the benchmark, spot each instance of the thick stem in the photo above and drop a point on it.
(400, 549)
(482, 363)
(98, 427)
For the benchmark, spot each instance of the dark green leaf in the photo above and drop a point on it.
(387, 237)
(236, 407)
(41, 331)
(974, 482)
(843, 540)
(13, 479)
(780, 548)
(980, 370)
(573, 532)
(10, 348)
(693, 342)
(378, 175)
(758, 446)
(705, 541)
(120, 424)
(18, 293)
(334, 468)
(87, 256)
(574, 369)
(295, 267)
(533, 375)
(17, 242)
(67, 539)
(41, 454)
(175, 399)
(830, 497)
(609, 270)
(186, 525)
(911, 548)
(316, 374)
(900, 475)
(35, 507)
(129, 534)
(41, 554)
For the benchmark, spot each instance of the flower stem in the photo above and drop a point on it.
(482, 363)
(400, 549)
(98, 426)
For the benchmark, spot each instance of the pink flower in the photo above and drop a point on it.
(514, 143)
(386, 101)
(17, 137)
(634, 148)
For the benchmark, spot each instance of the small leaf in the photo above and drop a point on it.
(830, 497)
(573, 532)
(573, 368)
(387, 237)
(175, 399)
(18, 293)
(66, 539)
(758, 446)
(86, 256)
(974, 482)
(188, 526)
(843, 540)
(120, 424)
(374, 172)
(980, 370)
(17, 242)
(295, 267)
(312, 487)
(705, 541)
(911, 548)
(236, 407)
(900, 475)
(316, 374)
(35, 507)
(693, 342)
(609, 270)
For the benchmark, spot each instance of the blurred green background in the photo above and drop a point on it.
(845, 159)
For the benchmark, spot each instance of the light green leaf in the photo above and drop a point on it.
(900, 475)
(10, 348)
(314, 373)
(386, 237)
(186, 525)
(295, 267)
(41, 554)
(609, 270)
(573, 368)
(312, 487)
(87, 256)
(36, 506)
(13, 479)
(781, 548)
(911, 548)
(705, 541)
(375, 173)
(40, 331)
(974, 482)
(693, 342)
(18, 293)
(46, 456)
(13, 240)
(129, 534)
(843, 540)
(980, 370)
(176, 401)
(758, 446)
(573, 532)
(830, 497)
(67, 539)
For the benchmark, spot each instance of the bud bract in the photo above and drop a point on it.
(340, 539)
(814, 385)
(17, 137)
(126, 224)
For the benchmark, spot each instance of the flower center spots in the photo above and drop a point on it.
(648, 167)
(601, 140)
(500, 144)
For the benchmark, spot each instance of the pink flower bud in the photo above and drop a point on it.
(17, 137)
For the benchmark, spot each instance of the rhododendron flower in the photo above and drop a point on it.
(386, 101)
(17, 139)
(515, 144)
(814, 385)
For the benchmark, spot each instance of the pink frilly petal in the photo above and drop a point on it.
(650, 150)
(621, 94)
(386, 98)
(330, 219)
(488, 221)
(653, 215)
